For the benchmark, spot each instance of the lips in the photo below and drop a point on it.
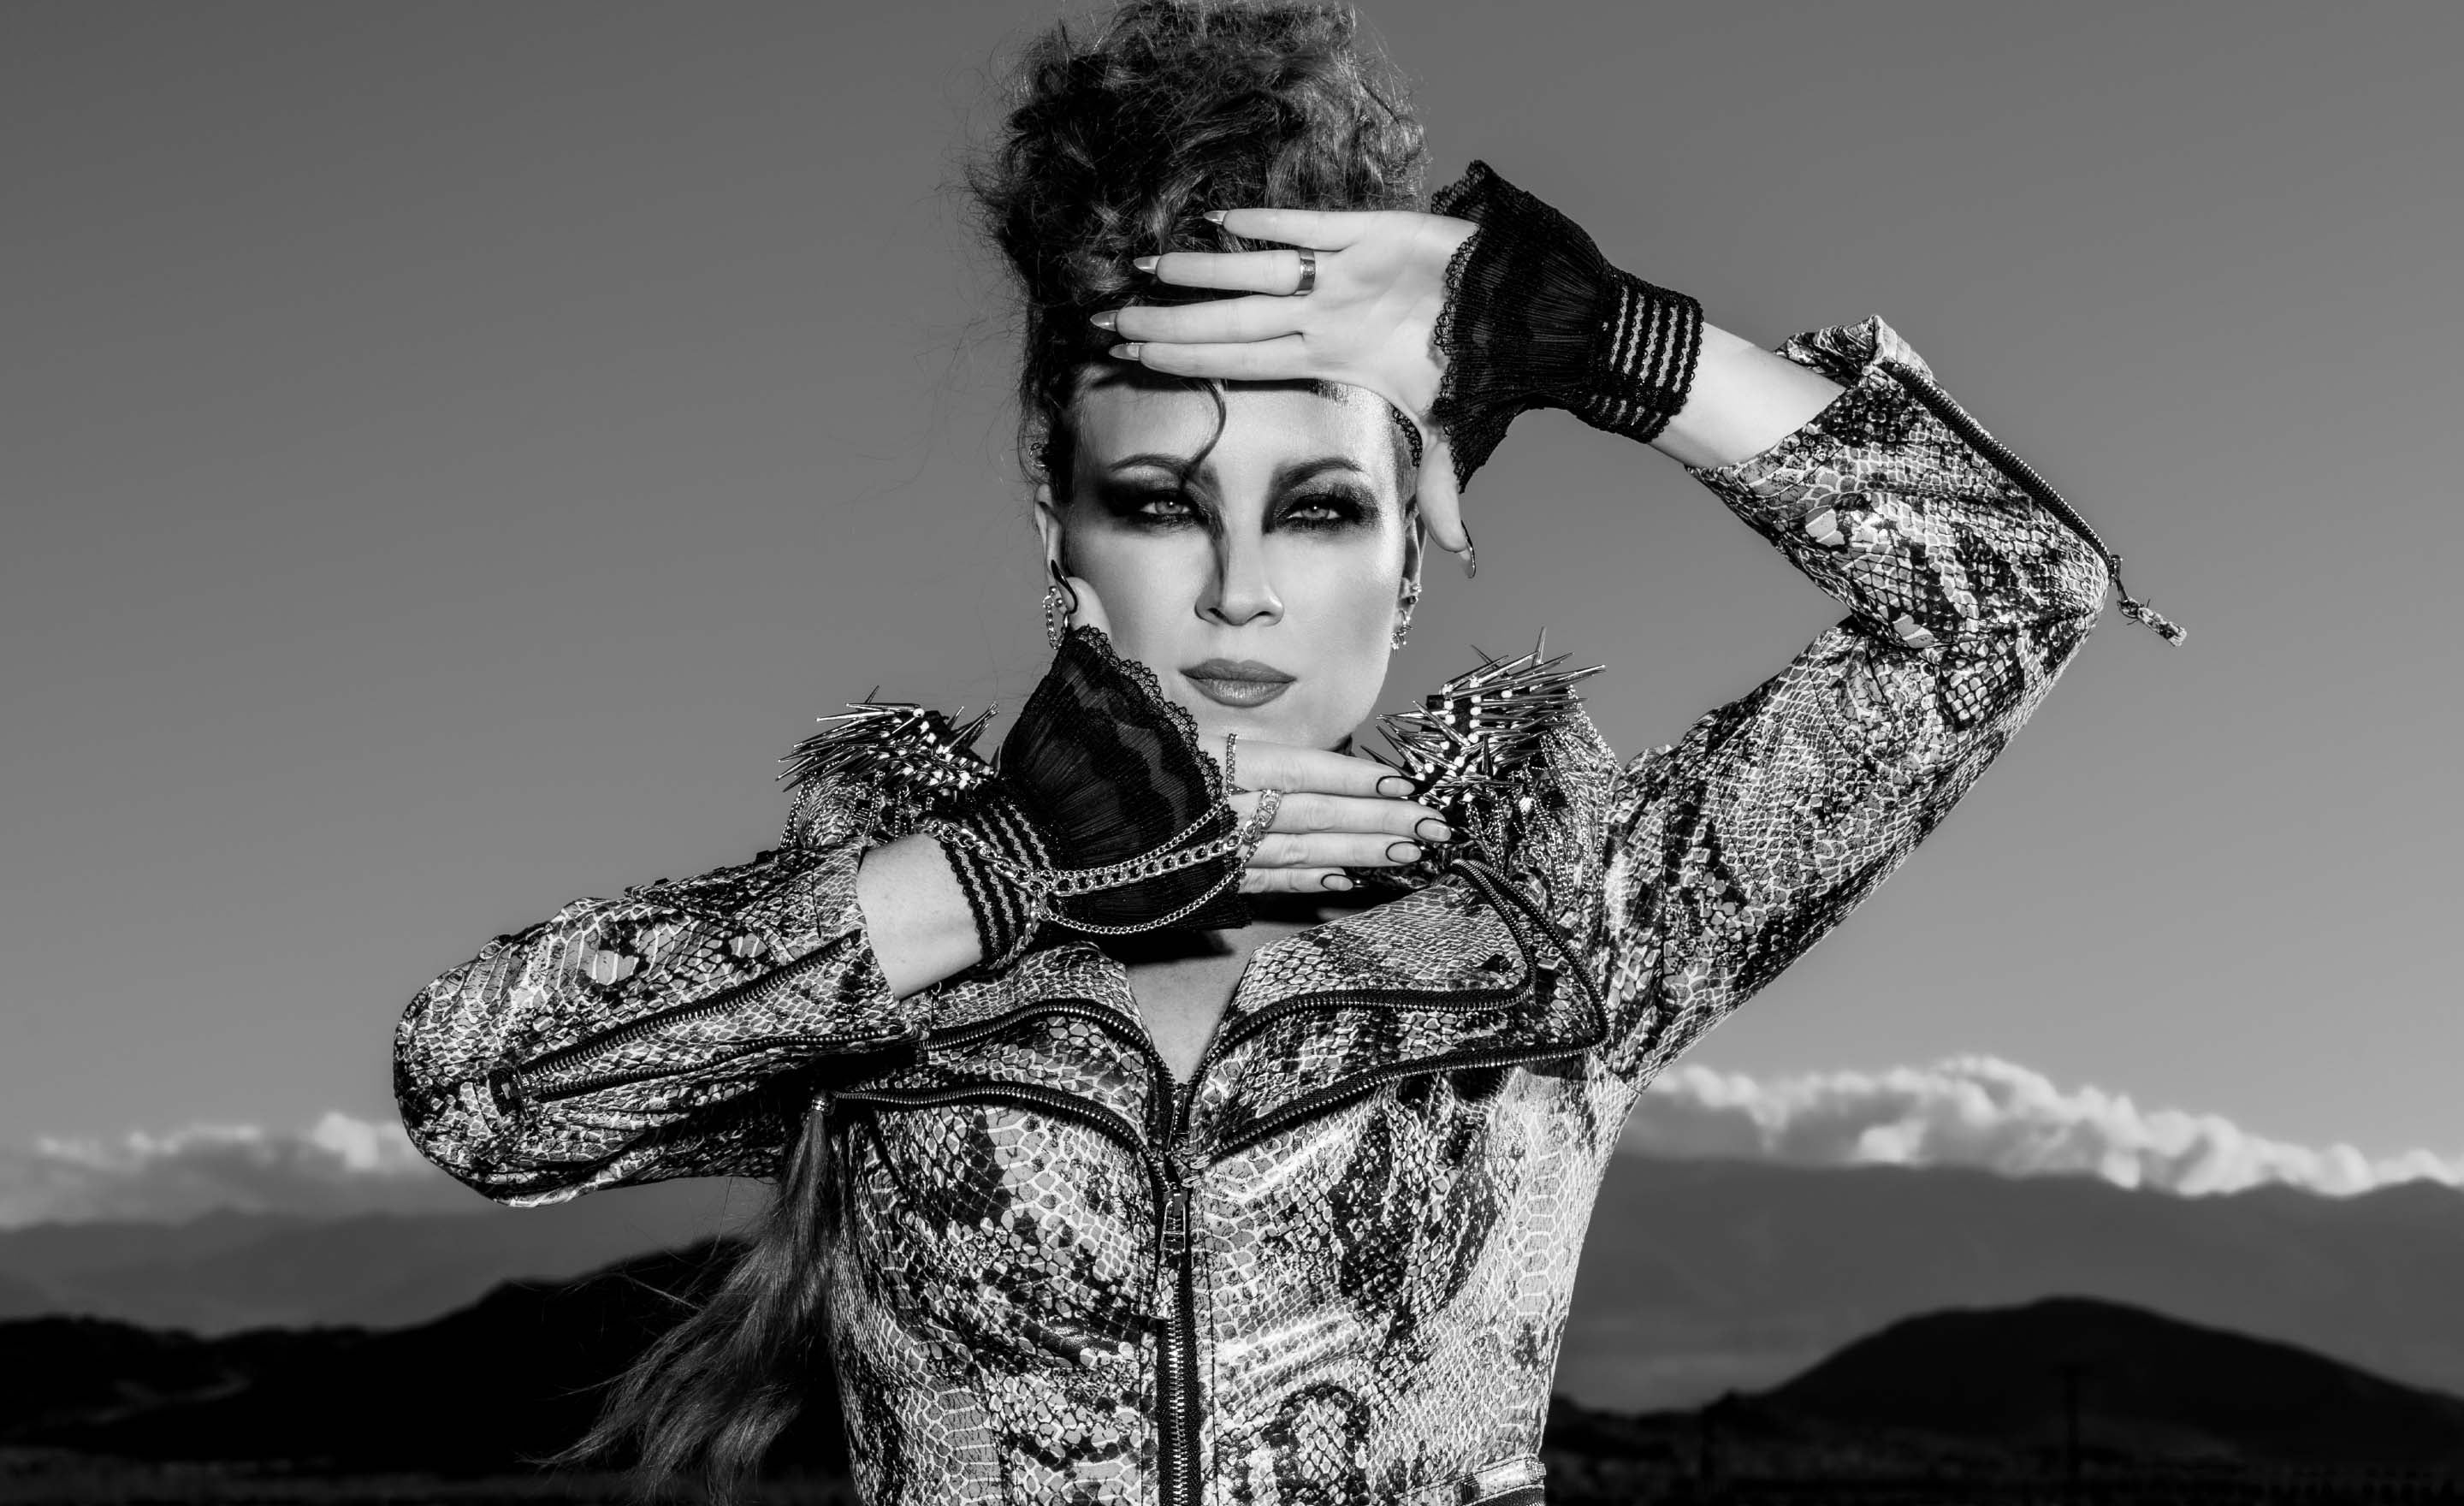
(1238, 682)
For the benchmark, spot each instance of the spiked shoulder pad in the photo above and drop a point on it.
(890, 761)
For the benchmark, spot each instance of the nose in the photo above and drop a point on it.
(1239, 594)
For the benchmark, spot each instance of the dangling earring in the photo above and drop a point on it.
(1058, 602)
(1403, 620)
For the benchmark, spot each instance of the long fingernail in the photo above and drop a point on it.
(1433, 829)
(1335, 881)
(1129, 350)
(1109, 318)
(1403, 851)
(1470, 556)
(1145, 263)
(1397, 787)
(1214, 216)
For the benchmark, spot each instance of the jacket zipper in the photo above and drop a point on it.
(1178, 1367)
(1944, 408)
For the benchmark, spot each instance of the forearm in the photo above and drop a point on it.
(918, 920)
(1743, 400)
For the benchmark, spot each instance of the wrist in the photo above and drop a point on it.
(1535, 317)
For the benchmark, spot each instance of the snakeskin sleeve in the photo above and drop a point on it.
(1731, 851)
(651, 1036)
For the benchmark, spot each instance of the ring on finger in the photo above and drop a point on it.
(1231, 763)
(1269, 801)
(1309, 272)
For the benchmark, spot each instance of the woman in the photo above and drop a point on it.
(1197, 1109)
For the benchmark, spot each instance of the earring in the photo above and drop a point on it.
(1058, 602)
(1404, 621)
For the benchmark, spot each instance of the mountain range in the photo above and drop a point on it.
(1698, 1276)
(491, 1390)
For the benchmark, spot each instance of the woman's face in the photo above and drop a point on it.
(1264, 597)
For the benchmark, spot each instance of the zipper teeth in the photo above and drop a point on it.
(613, 1079)
(1945, 407)
(1360, 1086)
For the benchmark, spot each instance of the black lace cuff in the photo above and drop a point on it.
(1535, 317)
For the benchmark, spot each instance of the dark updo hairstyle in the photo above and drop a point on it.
(1115, 145)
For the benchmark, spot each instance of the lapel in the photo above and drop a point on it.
(1436, 980)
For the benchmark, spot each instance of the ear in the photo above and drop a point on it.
(1049, 528)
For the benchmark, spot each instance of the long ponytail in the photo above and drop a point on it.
(708, 1399)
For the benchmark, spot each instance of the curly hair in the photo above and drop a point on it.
(1114, 146)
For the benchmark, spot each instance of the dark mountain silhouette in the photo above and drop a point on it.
(515, 1376)
(1699, 1276)
(518, 1375)
(2147, 1384)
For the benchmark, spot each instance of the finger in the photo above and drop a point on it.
(1440, 499)
(1215, 321)
(1294, 880)
(1334, 849)
(1325, 230)
(1283, 767)
(1370, 816)
(1276, 272)
(1280, 360)
(1089, 612)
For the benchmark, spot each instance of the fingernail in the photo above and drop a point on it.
(1336, 881)
(1214, 216)
(1145, 263)
(1129, 351)
(1109, 318)
(1470, 556)
(1433, 829)
(1403, 851)
(1397, 787)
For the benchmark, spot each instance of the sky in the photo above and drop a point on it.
(450, 452)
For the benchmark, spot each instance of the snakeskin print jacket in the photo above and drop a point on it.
(1335, 1267)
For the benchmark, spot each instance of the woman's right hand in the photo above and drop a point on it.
(1339, 810)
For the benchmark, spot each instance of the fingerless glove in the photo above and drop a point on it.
(1107, 816)
(1535, 317)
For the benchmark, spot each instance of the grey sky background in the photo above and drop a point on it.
(451, 452)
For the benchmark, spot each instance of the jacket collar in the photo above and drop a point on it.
(1441, 979)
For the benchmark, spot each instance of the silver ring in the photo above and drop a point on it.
(1269, 801)
(1231, 745)
(1309, 272)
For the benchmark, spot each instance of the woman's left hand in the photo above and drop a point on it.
(1369, 322)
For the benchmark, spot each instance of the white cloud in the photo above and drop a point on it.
(1967, 1111)
(339, 1164)
(1981, 1111)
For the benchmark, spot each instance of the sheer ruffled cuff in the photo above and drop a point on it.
(1535, 317)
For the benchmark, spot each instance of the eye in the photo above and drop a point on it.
(1325, 510)
(1151, 508)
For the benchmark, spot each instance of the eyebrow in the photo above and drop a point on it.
(1289, 473)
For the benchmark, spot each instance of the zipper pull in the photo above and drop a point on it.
(1175, 1225)
(2139, 611)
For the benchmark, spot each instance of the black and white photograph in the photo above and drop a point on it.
(1230, 753)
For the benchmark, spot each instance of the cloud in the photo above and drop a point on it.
(338, 1166)
(1981, 1111)
(1962, 1110)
